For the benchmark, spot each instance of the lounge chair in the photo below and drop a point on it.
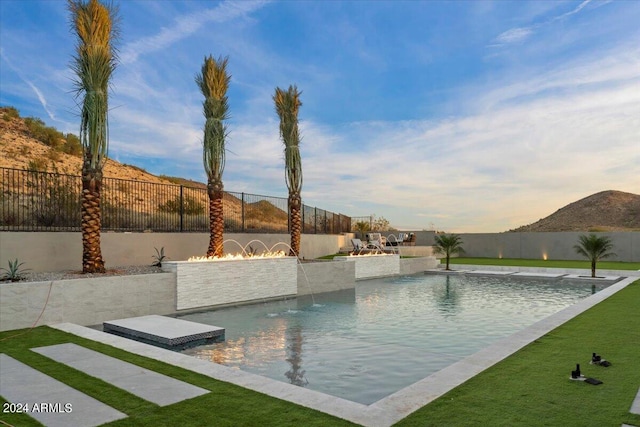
(360, 248)
(392, 240)
(357, 245)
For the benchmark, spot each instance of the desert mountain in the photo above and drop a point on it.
(604, 211)
(36, 147)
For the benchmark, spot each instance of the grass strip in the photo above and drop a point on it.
(519, 262)
(226, 404)
(532, 387)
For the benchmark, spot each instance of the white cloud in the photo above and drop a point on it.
(33, 87)
(186, 25)
(514, 35)
(519, 34)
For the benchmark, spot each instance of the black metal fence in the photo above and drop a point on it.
(43, 201)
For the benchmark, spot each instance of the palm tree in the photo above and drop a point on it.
(362, 227)
(213, 81)
(594, 248)
(94, 63)
(448, 244)
(287, 105)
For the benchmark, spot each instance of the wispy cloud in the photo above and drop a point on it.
(519, 34)
(514, 35)
(186, 25)
(33, 87)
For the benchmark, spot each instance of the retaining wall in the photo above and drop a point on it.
(60, 251)
(85, 301)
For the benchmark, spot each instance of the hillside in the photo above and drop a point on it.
(604, 211)
(22, 148)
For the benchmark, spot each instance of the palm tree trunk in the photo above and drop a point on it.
(295, 205)
(593, 268)
(216, 220)
(447, 262)
(92, 261)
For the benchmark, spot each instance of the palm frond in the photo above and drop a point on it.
(287, 104)
(593, 247)
(213, 82)
(94, 62)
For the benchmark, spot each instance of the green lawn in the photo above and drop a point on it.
(532, 387)
(517, 262)
(529, 388)
(226, 405)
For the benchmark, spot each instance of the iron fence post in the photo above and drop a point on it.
(242, 212)
(181, 208)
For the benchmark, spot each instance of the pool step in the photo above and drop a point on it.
(166, 332)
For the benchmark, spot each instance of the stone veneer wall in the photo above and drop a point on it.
(325, 276)
(202, 284)
(368, 266)
(85, 301)
(417, 265)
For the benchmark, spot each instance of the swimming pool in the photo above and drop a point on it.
(367, 343)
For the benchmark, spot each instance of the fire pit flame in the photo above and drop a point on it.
(229, 257)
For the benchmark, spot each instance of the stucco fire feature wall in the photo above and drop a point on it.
(210, 283)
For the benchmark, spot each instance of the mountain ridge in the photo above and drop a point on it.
(608, 210)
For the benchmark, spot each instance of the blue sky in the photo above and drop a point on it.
(475, 116)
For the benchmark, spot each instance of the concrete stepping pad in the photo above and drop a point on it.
(635, 406)
(163, 331)
(63, 406)
(588, 277)
(148, 385)
(541, 275)
(490, 272)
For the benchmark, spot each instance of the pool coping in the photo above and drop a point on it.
(384, 412)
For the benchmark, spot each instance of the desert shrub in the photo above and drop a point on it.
(138, 168)
(9, 211)
(190, 206)
(37, 165)
(232, 224)
(10, 113)
(54, 155)
(172, 179)
(54, 200)
(46, 134)
(72, 145)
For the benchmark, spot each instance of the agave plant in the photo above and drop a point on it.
(287, 105)
(594, 248)
(14, 273)
(159, 257)
(94, 62)
(448, 244)
(213, 82)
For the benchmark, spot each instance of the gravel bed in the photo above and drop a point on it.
(30, 276)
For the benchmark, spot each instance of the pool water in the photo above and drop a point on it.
(365, 344)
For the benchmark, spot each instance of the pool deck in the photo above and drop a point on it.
(388, 410)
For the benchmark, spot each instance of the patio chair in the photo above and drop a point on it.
(392, 240)
(376, 239)
(357, 244)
